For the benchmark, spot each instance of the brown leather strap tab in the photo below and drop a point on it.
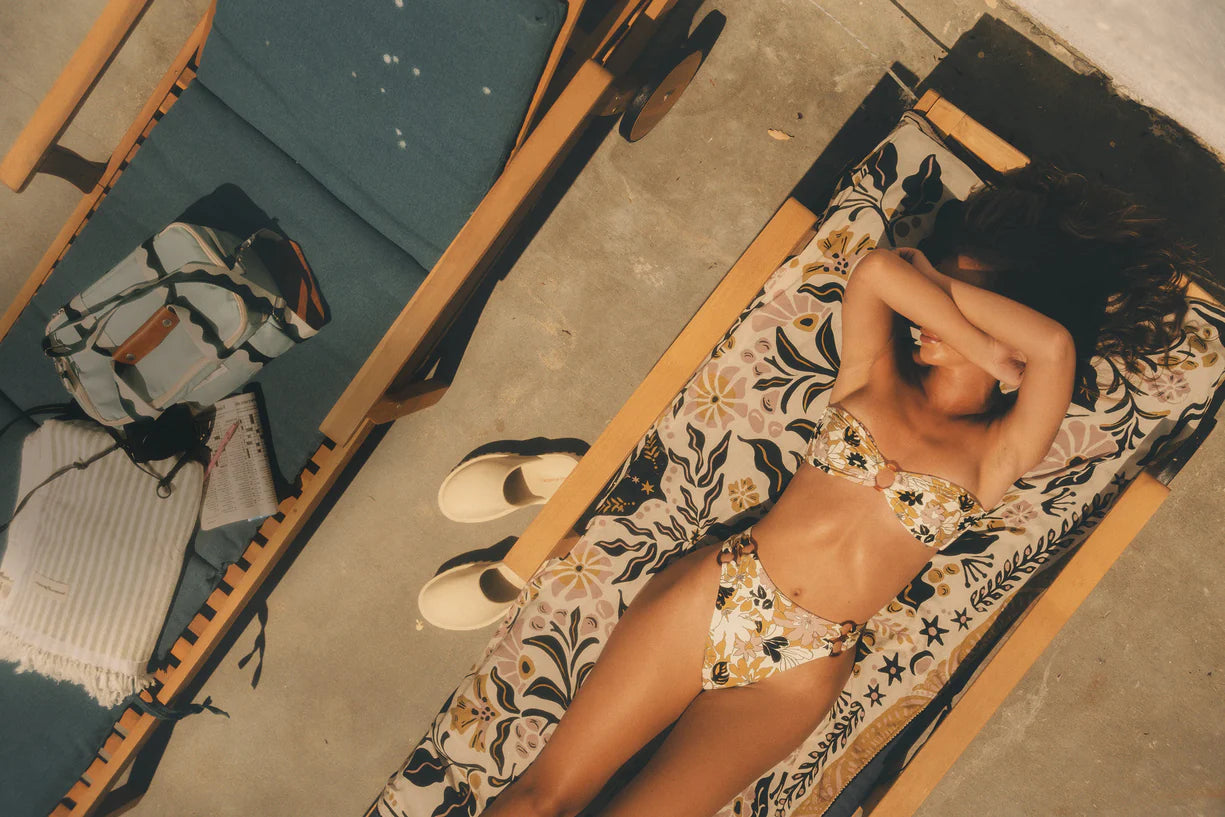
(145, 339)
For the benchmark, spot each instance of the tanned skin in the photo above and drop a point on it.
(831, 545)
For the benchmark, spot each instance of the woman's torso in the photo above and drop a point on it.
(836, 546)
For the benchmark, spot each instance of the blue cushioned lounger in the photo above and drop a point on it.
(371, 164)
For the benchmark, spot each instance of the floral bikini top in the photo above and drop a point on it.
(934, 510)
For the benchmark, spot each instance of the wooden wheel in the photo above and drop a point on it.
(658, 94)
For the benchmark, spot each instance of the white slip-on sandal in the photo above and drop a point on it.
(501, 478)
(472, 590)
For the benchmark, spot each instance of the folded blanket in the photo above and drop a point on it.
(92, 560)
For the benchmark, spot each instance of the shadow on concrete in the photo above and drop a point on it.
(1049, 111)
(871, 122)
(1078, 122)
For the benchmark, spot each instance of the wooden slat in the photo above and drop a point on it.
(267, 530)
(180, 649)
(73, 85)
(216, 600)
(233, 575)
(670, 374)
(1084, 569)
(61, 810)
(129, 719)
(323, 457)
(96, 772)
(954, 123)
(78, 792)
(253, 552)
(439, 297)
(112, 745)
(197, 625)
(925, 102)
(171, 98)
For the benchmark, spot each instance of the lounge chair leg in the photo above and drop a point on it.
(412, 397)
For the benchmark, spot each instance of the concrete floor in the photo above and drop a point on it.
(1122, 715)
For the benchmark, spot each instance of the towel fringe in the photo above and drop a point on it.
(108, 687)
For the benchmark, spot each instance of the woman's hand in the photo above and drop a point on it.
(1003, 362)
(1006, 365)
(920, 262)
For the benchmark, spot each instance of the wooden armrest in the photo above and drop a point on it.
(547, 533)
(70, 91)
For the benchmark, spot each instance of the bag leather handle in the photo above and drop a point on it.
(147, 337)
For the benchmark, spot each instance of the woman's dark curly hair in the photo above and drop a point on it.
(1081, 253)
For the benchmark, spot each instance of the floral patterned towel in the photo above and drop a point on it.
(713, 463)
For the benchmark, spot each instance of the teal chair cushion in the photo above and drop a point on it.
(406, 111)
(51, 732)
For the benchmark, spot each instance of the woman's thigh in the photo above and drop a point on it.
(648, 672)
(727, 738)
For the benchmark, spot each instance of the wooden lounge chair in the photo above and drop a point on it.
(630, 441)
(581, 62)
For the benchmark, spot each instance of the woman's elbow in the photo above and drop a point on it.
(1059, 347)
(869, 265)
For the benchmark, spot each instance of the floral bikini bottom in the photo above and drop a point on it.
(756, 631)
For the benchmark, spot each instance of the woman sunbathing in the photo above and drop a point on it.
(1033, 277)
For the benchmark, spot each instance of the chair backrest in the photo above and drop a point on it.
(404, 109)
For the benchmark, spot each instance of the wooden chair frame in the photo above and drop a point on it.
(581, 78)
(552, 532)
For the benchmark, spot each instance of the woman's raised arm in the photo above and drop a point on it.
(881, 284)
(1024, 435)
(1012, 324)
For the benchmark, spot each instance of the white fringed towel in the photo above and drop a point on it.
(92, 561)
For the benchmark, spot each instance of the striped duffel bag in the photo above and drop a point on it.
(187, 317)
